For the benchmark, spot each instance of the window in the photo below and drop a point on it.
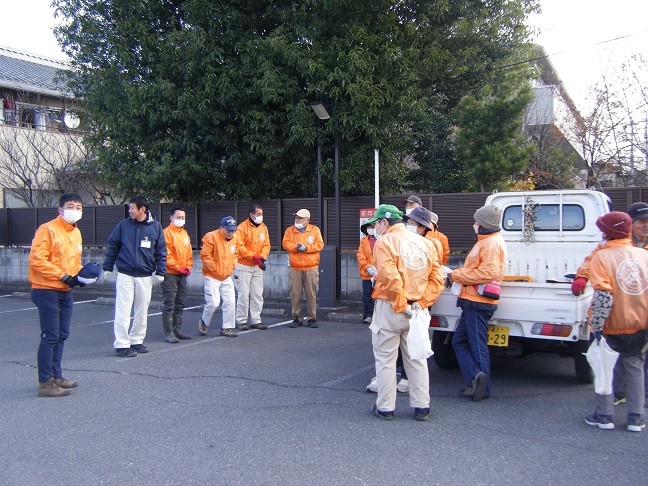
(547, 218)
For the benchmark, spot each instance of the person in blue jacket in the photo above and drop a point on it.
(138, 249)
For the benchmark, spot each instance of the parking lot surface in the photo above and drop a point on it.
(285, 406)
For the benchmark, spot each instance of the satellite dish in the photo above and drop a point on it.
(71, 120)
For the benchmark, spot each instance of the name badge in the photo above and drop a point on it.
(145, 244)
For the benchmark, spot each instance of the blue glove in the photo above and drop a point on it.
(597, 336)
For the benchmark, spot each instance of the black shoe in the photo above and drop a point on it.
(139, 348)
(479, 386)
(422, 414)
(125, 352)
(382, 415)
(312, 323)
(261, 326)
(296, 322)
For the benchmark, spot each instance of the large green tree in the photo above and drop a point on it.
(198, 99)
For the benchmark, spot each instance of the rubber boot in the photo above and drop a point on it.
(167, 324)
(177, 328)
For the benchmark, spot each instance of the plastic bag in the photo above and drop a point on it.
(418, 338)
(602, 359)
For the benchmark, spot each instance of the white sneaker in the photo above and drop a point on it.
(373, 386)
(403, 386)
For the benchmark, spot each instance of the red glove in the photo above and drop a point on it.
(184, 271)
(578, 285)
(259, 261)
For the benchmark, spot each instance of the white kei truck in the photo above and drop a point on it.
(548, 234)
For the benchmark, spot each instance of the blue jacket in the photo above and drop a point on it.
(137, 249)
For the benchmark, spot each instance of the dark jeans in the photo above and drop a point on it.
(174, 289)
(55, 312)
(470, 340)
(367, 301)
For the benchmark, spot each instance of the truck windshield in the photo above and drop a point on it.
(547, 218)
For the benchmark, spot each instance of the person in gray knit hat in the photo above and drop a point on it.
(484, 264)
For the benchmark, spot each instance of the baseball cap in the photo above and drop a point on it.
(302, 213)
(414, 199)
(386, 211)
(229, 223)
(90, 270)
(638, 210)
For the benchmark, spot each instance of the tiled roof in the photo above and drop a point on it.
(30, 72)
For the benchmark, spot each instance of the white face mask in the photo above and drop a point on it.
(299, 225)
(258, 220)
(476, 228)
(413, 229)
(179, 222)
(408, 210)
(378, 235)
(371, 231)
(72, 215)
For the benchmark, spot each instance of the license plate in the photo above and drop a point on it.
(498, 335)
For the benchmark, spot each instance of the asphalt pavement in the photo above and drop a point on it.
(285, 407)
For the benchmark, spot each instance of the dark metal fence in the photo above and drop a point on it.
(18, 225)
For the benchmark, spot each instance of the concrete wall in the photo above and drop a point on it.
(14, 269)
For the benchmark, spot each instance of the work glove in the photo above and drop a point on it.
(416, 306)
(597, 334)
(448, 281)
(107, 275)
(301, 248)
(85, 281)
(158, 278)
(184, 271)
(71, 280)
(371, 270)
(408, 311)
(578, 285)
(259, 261)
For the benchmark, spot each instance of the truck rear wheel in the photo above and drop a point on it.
(583, 370)
(444, 355)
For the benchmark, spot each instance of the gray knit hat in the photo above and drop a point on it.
(489, 217)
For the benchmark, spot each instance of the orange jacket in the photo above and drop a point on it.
(485, 263)
(312, 238)
(255, 241)
(219, 256)
(584, 269)
(179, 251)
(365, 257)
(437, 246)
(56, 250)
(622, 269)
(444, 243)
(408, 269)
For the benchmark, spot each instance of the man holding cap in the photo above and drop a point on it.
(54, 269)
(303, 242)
(219, 255)
(484, 264)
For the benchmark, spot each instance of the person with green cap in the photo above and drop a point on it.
(409, 278)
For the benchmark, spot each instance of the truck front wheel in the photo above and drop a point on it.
(444, 355)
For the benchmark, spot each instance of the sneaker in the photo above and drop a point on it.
(373, 386)
(312, 323)
(619, 398)
(139, 348)
(49, 388)
(403, 386)
(125, 352)
(63, 383)
(202, 327)
(422, 414)
(228, 333)
(367, 320)
(468, 391)
(244, 326)
(259, 325)
(479, 386)
(296, 322)
(382, 415)
(601, 421)
(635, 423)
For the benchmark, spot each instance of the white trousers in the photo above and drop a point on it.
(249, 286)
(137, 291)
(215, 291)
(389, 331)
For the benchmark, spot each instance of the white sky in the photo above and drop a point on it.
(573, 33)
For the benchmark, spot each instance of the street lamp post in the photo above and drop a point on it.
(322, 114)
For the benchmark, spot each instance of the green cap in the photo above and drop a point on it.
(386, 211)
